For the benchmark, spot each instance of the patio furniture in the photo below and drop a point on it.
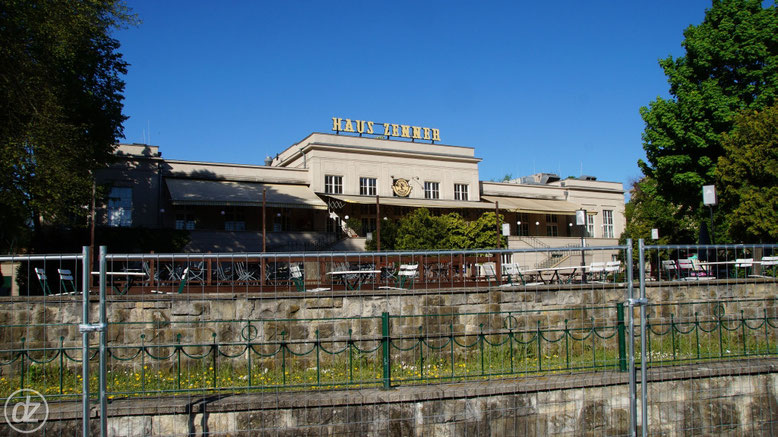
(597, 269)
(488, 271)
(670, 266)
(612, 269)
(296, 275)
(67, 282)
(244, 273)
(223, 274)
(690, 269)
(196, 271)
(353, 279)
(181, 285)
(745, 264)
(512, 271)
(769, 265)
(404, 278)
(43, 280)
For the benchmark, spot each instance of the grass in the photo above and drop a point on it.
(492, 358)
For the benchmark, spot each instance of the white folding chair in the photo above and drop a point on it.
(597, 270)
(612, 269)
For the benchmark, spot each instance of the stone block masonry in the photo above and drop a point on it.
(734, 397)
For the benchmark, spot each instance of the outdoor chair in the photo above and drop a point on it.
(296, 275)
(689, 270)
(223, 274)
(743, 264)
(612, 270)
(181, 285)
(511, 271)
(147, 271)
(669, 266)
(66, 282)
(488, 271)
(196, 271)
(43, 280)
(404, 277)
(244, 273)
(769, 267)
(700, 271)
(597, 270)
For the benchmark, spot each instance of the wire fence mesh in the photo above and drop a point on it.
(436, 343)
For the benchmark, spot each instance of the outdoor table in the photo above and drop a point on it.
(744, 265)
(130, 278)
(359, 276)
(555, 273)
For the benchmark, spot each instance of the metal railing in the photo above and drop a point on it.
(701, 307)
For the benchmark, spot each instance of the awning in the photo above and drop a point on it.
(414, 203)
(537, 206)
(229, 193)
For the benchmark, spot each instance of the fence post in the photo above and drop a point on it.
(386, 344)
(103, 347)
(86, 279)
(622, 337)
(643, 322)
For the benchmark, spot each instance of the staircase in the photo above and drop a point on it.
(553, 258)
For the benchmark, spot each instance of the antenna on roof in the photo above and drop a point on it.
(148, 128)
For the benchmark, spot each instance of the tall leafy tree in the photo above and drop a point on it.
(731, 64)
(748, 174)
(60, 106)
(422, 230)
(647, 210)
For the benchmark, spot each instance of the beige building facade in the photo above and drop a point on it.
(327, 192)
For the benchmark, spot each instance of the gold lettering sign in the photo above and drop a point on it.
(401, 187)
(390, 129)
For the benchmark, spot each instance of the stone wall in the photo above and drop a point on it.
(202, 318)
(728, 398)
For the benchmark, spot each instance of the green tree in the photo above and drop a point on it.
(647, 210)
(61, 105)
(420, 230)
(748, 177)
(731, 64)
(483, 232)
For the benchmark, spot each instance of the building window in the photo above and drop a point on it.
(552, 230)
(368, 225)
(607, 223)
(590, 226)
(333, 184)
(460, 192)
(367, 186)
(234, 221)
(235, 225)
(522, 225)
(185, 221)
(551, 218)
(431, 190)
(120, 207)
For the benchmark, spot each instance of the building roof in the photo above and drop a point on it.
(231, 193)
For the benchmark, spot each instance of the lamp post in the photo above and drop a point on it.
(377, 223)
(709, 199)
(580, 220)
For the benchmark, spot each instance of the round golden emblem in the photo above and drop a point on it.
(401, 187)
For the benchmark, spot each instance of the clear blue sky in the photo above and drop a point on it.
(532, 86)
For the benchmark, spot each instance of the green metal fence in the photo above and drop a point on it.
(392, 350)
